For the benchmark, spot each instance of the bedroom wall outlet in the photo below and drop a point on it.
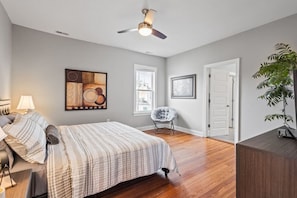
(107, 120)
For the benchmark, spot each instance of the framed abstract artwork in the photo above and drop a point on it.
(85, 90)
(183, 86)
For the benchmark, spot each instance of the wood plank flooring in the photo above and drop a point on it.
(206, 166)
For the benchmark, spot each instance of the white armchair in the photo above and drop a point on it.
(164, 115)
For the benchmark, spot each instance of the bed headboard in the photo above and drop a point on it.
(4, 106)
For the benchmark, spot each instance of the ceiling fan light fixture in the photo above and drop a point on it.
(145, 29)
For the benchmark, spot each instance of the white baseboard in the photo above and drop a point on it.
(150, 127)
(182, 129)
(145, 128)
(189, 131)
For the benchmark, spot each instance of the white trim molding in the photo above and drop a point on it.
(189, 131)
(177, 128)
(138, 67)
(145, 128)
(205, 112)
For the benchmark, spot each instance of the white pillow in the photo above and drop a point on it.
(2, 134)
(27, 139)
(36, 117)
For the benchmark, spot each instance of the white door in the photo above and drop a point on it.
(218, 106)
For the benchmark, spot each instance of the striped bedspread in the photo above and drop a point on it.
(94, 157)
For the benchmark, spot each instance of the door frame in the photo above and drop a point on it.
(205, 109)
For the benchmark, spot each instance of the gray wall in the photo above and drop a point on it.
(39, 61)
(5, 54)
(252, 47)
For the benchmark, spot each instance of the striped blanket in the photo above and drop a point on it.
(94, 157)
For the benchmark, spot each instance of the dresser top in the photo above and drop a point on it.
(271, 142)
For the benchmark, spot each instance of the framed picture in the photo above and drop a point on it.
(183, 86)
(85, 90)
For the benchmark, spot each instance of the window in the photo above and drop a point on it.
(145, 91)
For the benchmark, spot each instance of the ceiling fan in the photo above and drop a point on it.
(146, 27)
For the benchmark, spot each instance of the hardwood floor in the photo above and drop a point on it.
(206, 166)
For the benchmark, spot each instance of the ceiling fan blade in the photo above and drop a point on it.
(149, 16)
(128, 30)
(159, 34)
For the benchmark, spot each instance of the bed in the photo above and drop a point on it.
(91, 158)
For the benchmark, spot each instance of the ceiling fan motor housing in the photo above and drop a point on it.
(145, 29)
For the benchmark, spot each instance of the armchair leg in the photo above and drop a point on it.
(156, 127)
(172, 126)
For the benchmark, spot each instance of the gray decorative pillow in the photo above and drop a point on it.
(52, 134)
(5, 147)
(4, 120)
(12, 116)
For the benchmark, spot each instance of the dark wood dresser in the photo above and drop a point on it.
(266, 166)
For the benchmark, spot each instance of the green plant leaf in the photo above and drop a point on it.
(277, 74)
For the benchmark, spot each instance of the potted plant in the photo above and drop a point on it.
(278, 81)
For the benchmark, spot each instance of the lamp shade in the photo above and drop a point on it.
(26, 102)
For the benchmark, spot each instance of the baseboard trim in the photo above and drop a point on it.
(189, 131)
(182, 129)
(145, 128)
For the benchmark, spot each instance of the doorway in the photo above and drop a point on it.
(221, 101)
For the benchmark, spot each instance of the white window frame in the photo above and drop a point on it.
(150, 69)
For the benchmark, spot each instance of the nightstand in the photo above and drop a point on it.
(23, 185)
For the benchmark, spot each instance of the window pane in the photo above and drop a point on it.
(144, 80)
(144, 100)
(144, 89)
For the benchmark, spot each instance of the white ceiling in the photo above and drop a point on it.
(188, 23)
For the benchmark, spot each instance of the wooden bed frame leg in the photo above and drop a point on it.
(166, 171)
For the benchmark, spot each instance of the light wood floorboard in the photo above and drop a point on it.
(206, 166)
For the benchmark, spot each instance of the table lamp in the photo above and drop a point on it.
(26, 102)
